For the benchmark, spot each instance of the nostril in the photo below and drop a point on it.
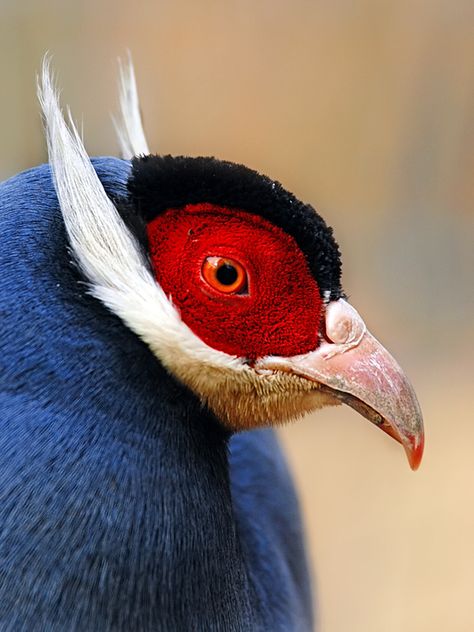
(340, 331)
(343, 324)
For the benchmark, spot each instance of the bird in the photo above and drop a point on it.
(160, 316)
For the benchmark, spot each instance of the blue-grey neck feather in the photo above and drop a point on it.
(116, 509)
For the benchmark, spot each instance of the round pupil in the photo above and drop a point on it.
(226, 274)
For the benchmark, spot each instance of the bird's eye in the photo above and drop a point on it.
(225, 275)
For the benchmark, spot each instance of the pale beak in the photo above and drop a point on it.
(357, 370)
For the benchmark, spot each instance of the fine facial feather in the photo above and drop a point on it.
(116, 268)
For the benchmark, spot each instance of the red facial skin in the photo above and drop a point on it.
(279, 312)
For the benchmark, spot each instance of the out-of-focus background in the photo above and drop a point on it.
(364, 109)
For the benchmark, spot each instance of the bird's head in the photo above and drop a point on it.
(233, 283)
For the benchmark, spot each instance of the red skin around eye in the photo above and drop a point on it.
(281, 312)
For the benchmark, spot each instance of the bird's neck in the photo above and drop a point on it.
(128, 504)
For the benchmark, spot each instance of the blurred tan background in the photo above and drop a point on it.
(365, 109)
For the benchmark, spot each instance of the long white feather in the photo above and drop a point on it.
(109, 255)
(129, 126)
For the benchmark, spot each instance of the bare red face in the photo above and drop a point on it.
(241, 283)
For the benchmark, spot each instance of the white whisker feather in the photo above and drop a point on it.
(108, 254)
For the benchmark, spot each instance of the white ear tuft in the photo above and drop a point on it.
(108, 254)
(102, 244)
(129, 127)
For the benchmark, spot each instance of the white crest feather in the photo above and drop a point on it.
(109, 255)
(129, 126)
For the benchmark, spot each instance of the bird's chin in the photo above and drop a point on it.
(252, 399)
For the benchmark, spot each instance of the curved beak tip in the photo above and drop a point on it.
(414, 450)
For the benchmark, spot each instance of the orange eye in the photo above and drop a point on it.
(225, 275)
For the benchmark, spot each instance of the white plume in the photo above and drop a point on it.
(129, 125)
